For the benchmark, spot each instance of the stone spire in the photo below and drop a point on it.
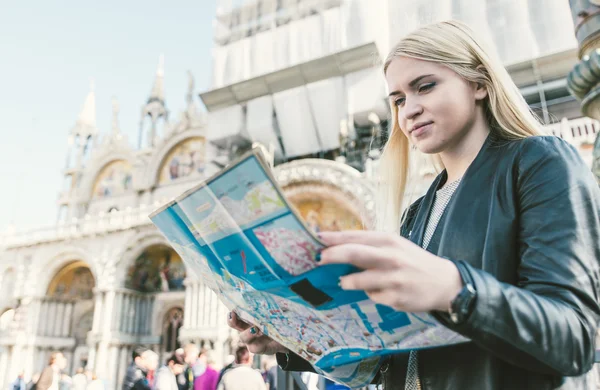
(82, 139)
(158, 89)
(155, 107)
(87, 116)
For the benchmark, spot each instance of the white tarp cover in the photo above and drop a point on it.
(328, 102)
(519, 29)
(259, 122)
(225, 123)
(296, 123)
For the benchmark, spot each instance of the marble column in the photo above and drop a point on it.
(187, 313)
(4, 359)
(123, 362)
(102, 357)
(97, 312)
(91, 357)
(67, 320)
(113, 366)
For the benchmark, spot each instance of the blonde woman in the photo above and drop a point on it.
(503, 248)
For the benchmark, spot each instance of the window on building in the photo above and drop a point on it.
(172, 323)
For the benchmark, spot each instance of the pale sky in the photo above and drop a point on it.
(49, 51)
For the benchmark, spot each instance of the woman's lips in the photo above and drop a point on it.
(420, 131)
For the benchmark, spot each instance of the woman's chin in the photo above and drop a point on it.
(427, 147)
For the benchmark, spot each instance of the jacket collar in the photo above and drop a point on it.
(420, 224)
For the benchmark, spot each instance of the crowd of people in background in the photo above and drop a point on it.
(53, 377)
(192, 368)
(188, 368)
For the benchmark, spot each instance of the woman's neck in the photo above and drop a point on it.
(458, 157)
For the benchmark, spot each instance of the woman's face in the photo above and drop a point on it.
(436, 107)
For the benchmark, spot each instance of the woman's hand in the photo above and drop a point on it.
(254, 339)
(396, 272)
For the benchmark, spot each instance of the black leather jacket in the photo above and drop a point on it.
(524, 228)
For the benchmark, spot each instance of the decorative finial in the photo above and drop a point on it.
(87, 116)
(190, 94)
(160, 71)
(158, 89)
(115, 116)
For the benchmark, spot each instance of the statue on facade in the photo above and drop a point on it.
(584, 80)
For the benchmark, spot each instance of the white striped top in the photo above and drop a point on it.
(442, 198)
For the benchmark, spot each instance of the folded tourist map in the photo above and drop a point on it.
(239, 234)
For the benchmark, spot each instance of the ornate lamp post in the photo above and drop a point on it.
(584, 79)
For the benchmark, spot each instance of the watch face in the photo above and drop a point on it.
(462, 304)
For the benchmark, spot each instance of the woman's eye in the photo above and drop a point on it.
(426, 87)
(399, 101)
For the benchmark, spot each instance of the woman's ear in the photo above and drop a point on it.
(480, 91)
(480, 87)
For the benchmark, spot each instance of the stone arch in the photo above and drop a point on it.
(136, 246)
(163, 151)
(97, 166)
(151, 265)
(75, 280)
(6, 319)
(49, 268)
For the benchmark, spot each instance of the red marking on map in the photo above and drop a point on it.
(244, 261)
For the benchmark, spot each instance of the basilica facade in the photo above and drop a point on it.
(300, 78)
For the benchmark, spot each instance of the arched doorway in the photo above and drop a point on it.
(172, 323)
(73, 281)
(157, 269)
(68, 309)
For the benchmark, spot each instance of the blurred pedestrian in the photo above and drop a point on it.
(51, 375)
(166, 376)
(143, 362)
(65, 383)
(19, 383)
(242, 376)
(33, 381)
(208, 378)
(80, 381)
(229, 363)
(190, 356)
(95, 383)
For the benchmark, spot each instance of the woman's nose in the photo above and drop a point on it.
(412, 109)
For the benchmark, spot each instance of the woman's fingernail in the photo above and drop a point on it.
(318, 257)
(340, 283)
(230, 316)
(253, 330)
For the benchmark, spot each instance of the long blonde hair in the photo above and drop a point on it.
(452, 44)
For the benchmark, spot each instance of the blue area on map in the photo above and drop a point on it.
(348, 355)
(392, 319)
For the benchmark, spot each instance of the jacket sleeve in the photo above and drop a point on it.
(546, 323)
